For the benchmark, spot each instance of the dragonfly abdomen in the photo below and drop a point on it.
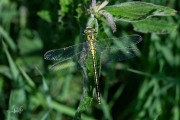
(91, 40)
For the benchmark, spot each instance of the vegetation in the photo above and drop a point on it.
(146, 87)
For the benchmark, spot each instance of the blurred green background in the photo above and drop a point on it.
(149, 88)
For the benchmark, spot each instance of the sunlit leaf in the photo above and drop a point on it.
(152, 25)
(135, 11)
(64, 6)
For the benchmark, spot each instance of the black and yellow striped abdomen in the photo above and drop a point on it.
(91, 39)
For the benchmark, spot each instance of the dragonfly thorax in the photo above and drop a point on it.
(90, 34)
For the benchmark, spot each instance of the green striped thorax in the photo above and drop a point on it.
(90, 33)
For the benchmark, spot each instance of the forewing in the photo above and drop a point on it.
(121, 42)
(66, 53)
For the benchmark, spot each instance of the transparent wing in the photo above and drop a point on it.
(113, 54)
(121, 42)
(118, 49)
(66, 53)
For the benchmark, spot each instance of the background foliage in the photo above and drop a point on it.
(142, 88)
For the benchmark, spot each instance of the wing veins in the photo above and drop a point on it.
(66, 53)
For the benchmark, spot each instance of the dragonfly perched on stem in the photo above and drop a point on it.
(108, 50)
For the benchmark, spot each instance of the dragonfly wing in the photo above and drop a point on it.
(66, 53)
(113, 54)
(122, 42)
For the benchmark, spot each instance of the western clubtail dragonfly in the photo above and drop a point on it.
(109, 50)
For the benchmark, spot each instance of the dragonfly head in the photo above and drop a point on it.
(89, 30)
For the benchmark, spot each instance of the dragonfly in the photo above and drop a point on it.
(108, 50)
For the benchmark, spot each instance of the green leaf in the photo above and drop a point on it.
(8, 116)
(153, 25)
(29, 81)
(8, 39)
(176, 113)
(46, 90)
(29, 42)
(4, 70)
(67, 110)
(64, 6)
(115, 96)
(13, 67)
(84, 104)
(106, 110)
(45, 15)
(30, 62)
(27, 78)
(16, 104)
(135, 11)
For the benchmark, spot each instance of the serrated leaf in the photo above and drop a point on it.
(45, 15)
(153, 25)
(135, 11)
